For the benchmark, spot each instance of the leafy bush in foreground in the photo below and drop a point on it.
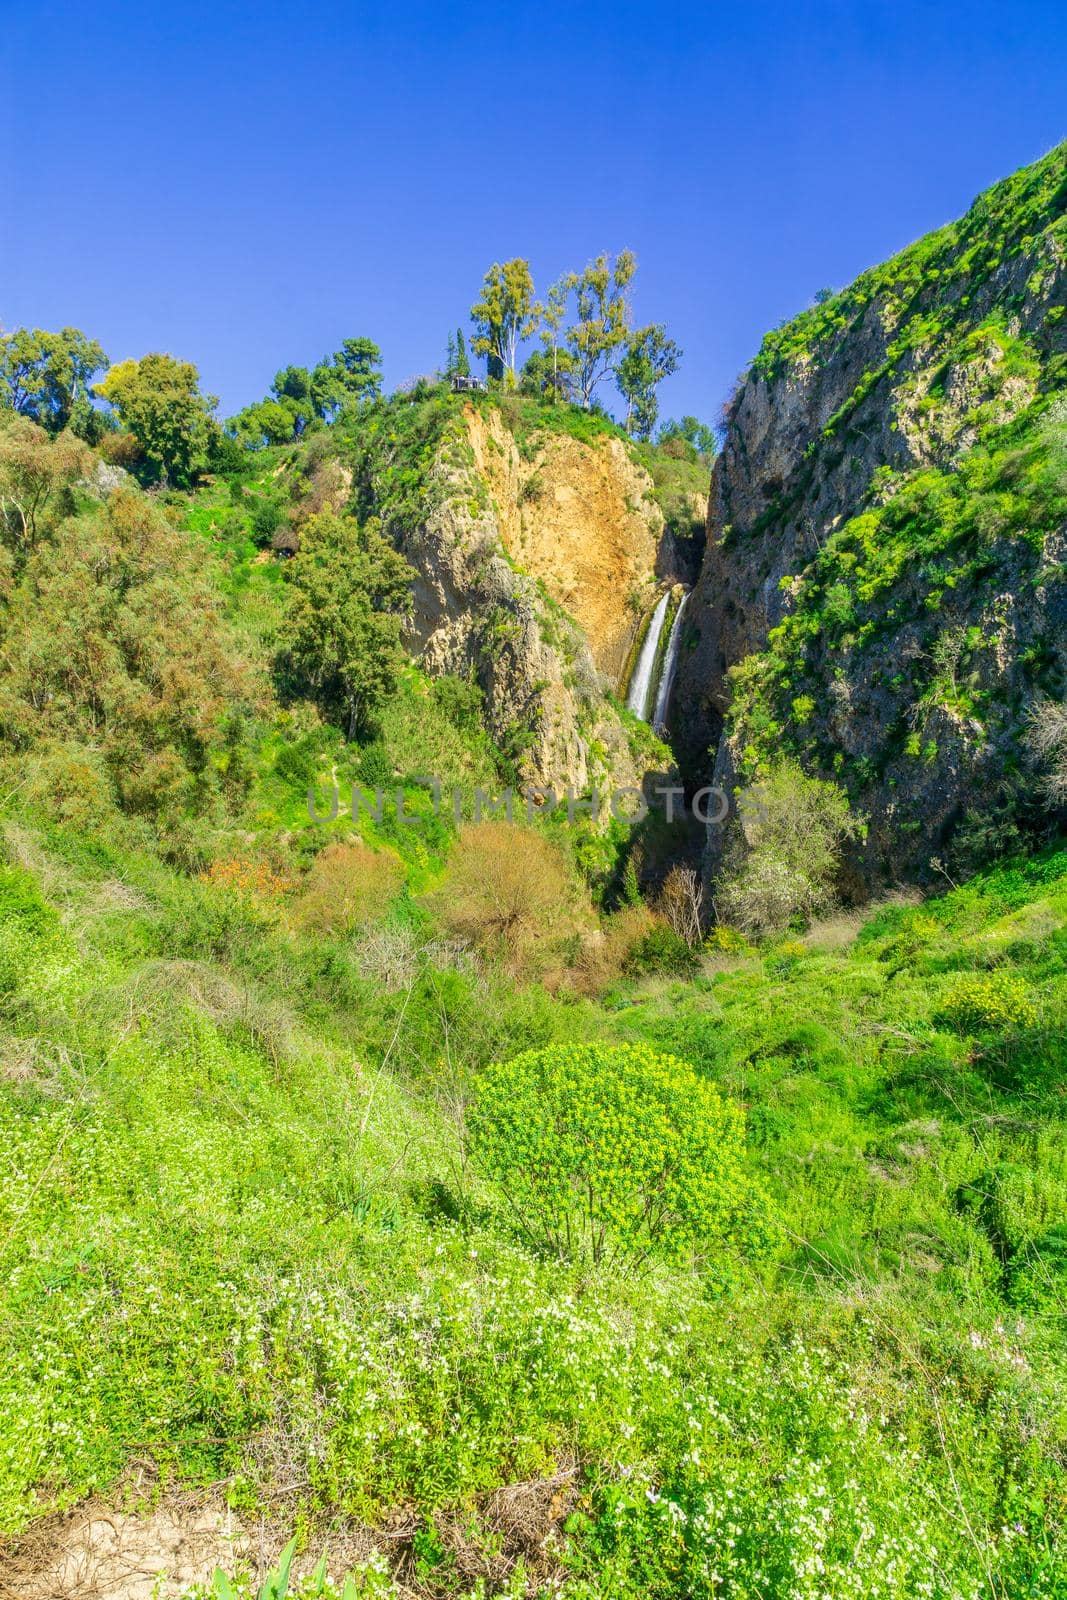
(604, 1152)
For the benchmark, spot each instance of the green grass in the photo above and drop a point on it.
(240, 1237)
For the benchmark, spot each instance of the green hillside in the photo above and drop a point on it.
(241, 1236)
(459, 1205)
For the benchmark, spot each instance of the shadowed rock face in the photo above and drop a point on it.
(924, 359)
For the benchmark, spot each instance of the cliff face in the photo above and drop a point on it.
(581, 517)
(525, 561)
(886, 543)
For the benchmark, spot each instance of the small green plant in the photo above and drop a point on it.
(608, 1153)
(664, 951)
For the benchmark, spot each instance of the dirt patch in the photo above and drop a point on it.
(128, 1549)
(96, 1552)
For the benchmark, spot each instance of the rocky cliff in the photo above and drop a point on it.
(883, 591)
(533, 558)
(581, 516)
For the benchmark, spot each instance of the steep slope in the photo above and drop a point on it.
(581, 516)
(887, 551)
(534, 558)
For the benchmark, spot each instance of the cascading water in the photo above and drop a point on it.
(640, 691)
(670, 667)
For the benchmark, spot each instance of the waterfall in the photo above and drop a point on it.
(641, 683)
(670, 667)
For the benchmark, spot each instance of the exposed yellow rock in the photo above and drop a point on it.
(581, 518)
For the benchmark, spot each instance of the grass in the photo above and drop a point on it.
(240, 1236)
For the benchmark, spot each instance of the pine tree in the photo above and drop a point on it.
(463, 366)
(451, 360)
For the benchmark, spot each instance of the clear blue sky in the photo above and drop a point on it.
(245, 185)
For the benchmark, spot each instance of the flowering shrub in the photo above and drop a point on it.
(607, 1151)
(727, 940)
(990, 1003)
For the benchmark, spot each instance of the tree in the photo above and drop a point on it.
(697, 437)
(44, 375)
(650, 357)
(552, 313)
(781, 865)
(549, 375)
(114, 637)
(350, 591)
(504, 314)
(355, 371)
(160, 402)
(33, 469)
(602, 328)
(456, 363)
(303, 397)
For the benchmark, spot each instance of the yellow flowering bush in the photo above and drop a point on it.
(606, 1152)
(993, 1002)
(728, 941)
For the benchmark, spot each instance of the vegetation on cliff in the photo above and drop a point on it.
(915, 541)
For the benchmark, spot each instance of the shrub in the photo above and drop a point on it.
(605, 956)
(1037, 1277)
(662, 950)
(681, 903)
(994, 1002)
(728, 941)
(1046, 739)
(507, 888)
(349, 884)
(606, 1152)
(780, 866)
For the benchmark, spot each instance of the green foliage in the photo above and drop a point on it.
(603, 1153)
(47, 377)
(258, 1224)
(303, 398)
(114, 638)
(990, 1003)
(504, 314)
(697, 440)
(36, 475)
(349, 591)
(649, 357)
(600, 330)
(783, 854)
(662, 950)
(159, 400)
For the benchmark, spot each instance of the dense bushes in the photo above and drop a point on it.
(608, 1153)
(113, 637)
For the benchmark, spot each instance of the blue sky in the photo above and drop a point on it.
(246, 185)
